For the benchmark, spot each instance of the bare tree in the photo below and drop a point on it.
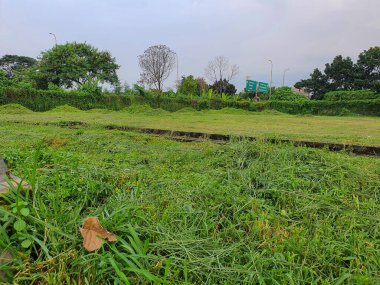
(156, 63)
(220, 69)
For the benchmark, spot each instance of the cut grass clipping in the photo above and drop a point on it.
(186, 213)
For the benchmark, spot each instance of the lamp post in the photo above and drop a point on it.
(283, 77)
(270, 82)
(177, 68)
(55, 38)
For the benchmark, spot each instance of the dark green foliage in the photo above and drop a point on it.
(343, 74)
(42, 100)
(223, 86)
(13, 63)
(351, 95)
(340, 73)
(322, 107)
(5, 81)
(192, 86)
(368, 69)
(73, 64)
(252, 95)
(286, 94)
(141, 91)
(316, 85)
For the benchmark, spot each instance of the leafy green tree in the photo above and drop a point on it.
(5, 81)
(343, 74)
(194, 86)
(30, 77)
(317, 85)
(223, 86)
(189, 86)
(340, 73)
(23, 78)
(74, 64)
(368, 69)
(13, 63)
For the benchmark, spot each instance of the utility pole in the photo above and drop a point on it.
(177, 69)
(55, 38)
(283, 77)
(270, 82)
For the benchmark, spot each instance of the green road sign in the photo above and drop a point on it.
(263, 87)
(251, 85)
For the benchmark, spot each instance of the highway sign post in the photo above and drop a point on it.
(251, 85)
(263, 87)
(255, 86)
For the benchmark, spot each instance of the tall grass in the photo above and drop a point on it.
(197, 213)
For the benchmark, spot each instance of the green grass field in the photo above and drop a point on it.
(347, 130)
(190, 213)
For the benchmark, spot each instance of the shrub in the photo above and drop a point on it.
(141, 91)
(286, 94)
(322, 107)
(351, 95)
(90, 87)
(43, 100)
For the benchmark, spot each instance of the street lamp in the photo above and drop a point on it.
(177, 67)
(270, 82)
(55, 38)
(283, 77)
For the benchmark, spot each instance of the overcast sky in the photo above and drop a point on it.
(296, 34)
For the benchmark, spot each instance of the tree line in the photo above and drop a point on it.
(83, 67)
(342, 74)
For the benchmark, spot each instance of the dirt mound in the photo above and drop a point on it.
(144, 109)
(14, 109)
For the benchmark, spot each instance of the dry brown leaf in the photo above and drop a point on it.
(92, 233)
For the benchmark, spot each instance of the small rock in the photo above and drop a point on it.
(4, 172)
(5, 257)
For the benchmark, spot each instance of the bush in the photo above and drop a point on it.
(4, 80)
(351, 95)
(334, 108)
(252, 95)
(286, 94)
(43, 100)
(91, 87)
